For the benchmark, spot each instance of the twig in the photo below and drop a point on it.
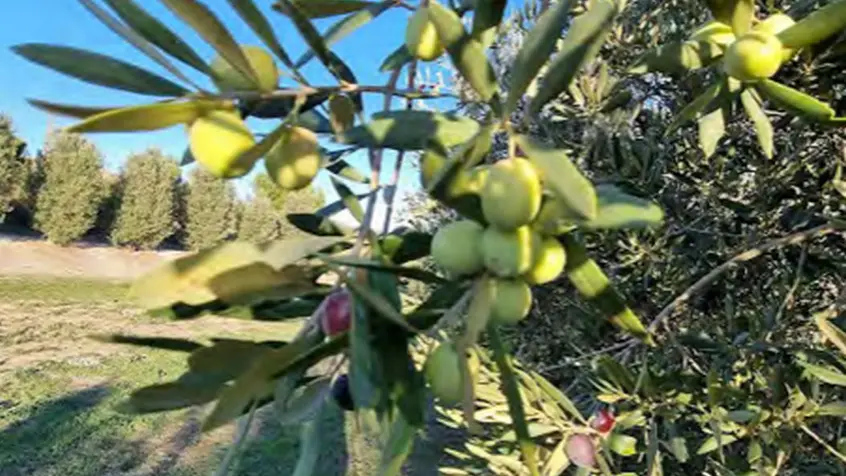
(388, 90)
(573, 360)
(827, 446)
(747, 255)
(391, 190)
(789, 296)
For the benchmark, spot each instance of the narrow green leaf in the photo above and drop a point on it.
(148, 117)
(825, 374)
(282, 107)
(678, 445)
(315, 224)
(753, 455)
(226, 359)
(312, 37)
(412, 130)
(595, 286)
(515, 402)
(346, 26)
(614, 372)
(326, 8)
(210, 29)
(559, 397)
(741, 16)
(695, 107)
(795, 101)
(623, 445)
(342, 168)
(712, 444)
(70, 110)
(349, 199)
(133, 38)
(486, 19)
(816, 27)
(157, 33)
(537, 46)
(617, 209)
(98, 69)
(763, 126)
(280, 254)
(478, 311)
(187, 157)
(262, 147)
(311, 442)
(837, 409)
(379, 304)
(834, 334)
(562, 177)
(678, 58)
(468, 55)
(584, 39)
(712, 128)
(397, 59)
(248, 11)
(397, 448)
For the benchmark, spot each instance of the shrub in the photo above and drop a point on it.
(147, 197)
(68, 200)
(284, 202)
(210, 210)
(12, 166)
(259, 221)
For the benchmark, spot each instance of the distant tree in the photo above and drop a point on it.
(210, 210)
(107, 213)
(147, 200)
(284, 202)
(12, 166)
(259, 222)
(68, 200)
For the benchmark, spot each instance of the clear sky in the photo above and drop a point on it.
(66, 22)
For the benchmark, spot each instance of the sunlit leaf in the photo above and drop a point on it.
(248, 11)
(763, 126)
(98, 69)
(584, 39)
(833, 333)
(562, 177)
(595, 286)
(795, 101)
(486, 19)
(148, 117)
(712, 128)
(816, 27)
(741, 16)
(617, 209)
(157, 33)
(397, 59)
(828, 375)
(623, 445)
(210, 29)
(837, 409)
(70, 110)
(678, 58)
(468, 55)
(696, 107)
(412, 130)
(538, 44)
(711, 443)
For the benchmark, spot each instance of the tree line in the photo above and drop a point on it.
(64, 192)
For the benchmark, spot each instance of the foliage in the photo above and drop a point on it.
(12, 166)
(287, 201)
(72, 190)
(733, 385)
(210, 210)
(259, 221)
(147, 197)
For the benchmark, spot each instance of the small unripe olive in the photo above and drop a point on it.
(229, 79)
(549, 263)
(512, 194)
(294, 161)
(457, 248)
(512, 301)
(775, 24)
(421, 37)
(217, 140)
(510, 253)
(754, 56)
(443, 372)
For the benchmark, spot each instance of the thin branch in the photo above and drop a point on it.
(388, 90)
(747, 255)
(821, 441)
(391, 190)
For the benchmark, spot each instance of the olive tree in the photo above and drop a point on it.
(555, 165)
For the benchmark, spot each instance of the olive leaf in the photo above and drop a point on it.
(678, 58)
(695, 107)
(149, 116)
(412, 130)
(346, 26)
(816, 27)
(397, 59)
(468, 54)
(210, 29)
(248, 11)
(763, 126)
(70, 110)
(583, 41)
(157, 33)
(743, 12)
(486, 19)
(98, 69)
(537, 46)
(795, 101)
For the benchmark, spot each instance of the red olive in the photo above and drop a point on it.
(581, 451)
(603, 421)
(336, 312)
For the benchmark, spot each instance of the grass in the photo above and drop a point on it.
(59, 392)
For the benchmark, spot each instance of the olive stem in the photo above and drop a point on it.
(391, 189)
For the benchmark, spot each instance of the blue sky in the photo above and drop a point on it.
(66, 22)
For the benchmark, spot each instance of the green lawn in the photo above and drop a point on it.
(58, 417)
